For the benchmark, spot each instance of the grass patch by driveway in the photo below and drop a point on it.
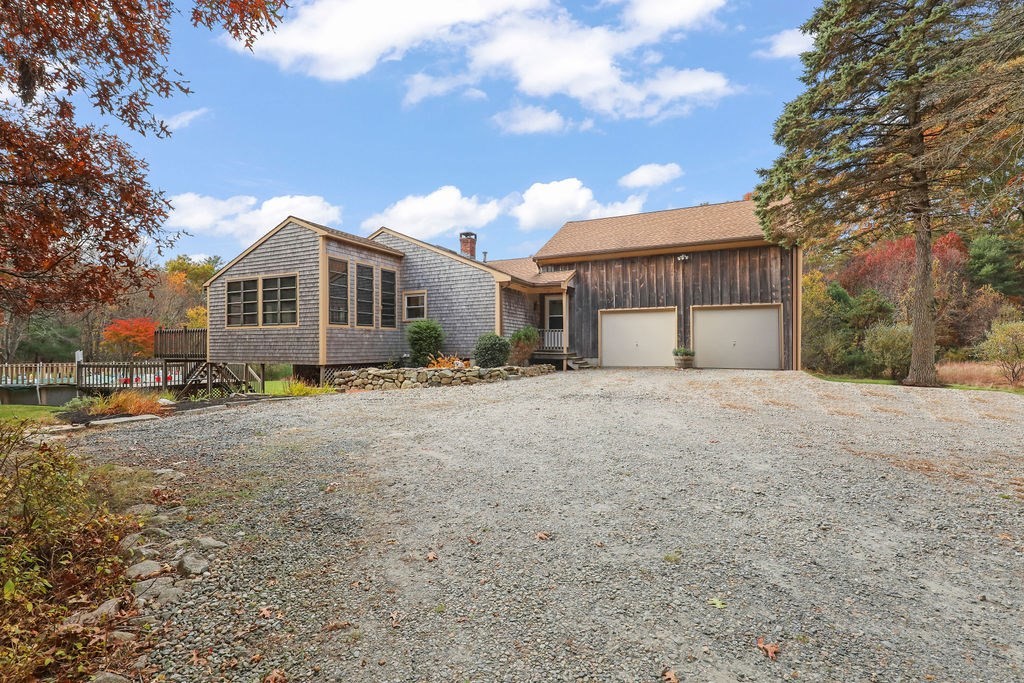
(47, 414)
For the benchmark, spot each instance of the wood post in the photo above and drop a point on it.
(263, 378)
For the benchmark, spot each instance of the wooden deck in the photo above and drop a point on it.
(180, 344)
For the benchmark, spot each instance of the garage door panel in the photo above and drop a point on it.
(741, 337)
(638, 338)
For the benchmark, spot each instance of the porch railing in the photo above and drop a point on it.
(183, 344)
(550, 340)
(27, 374)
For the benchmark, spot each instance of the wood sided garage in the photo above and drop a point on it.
(702, 277)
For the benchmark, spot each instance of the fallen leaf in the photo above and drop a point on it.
(266, 612)
(256, 658)
(716, 603)
(543, 536)
(196, 659)
(669, 676)
(396, 619)
(337, 625)
(771, 650)
(382, 662)
(600, 544)
(472, 541)
(431, 556)
(275, 676)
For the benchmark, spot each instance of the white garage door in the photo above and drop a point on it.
(745, 337)
(638, 338)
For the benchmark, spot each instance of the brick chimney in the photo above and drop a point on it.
(467, 243)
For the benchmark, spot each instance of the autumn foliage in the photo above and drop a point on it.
(131, 337)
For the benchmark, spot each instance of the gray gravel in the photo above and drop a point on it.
(873, 532)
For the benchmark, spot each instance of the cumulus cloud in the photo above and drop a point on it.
(612, 68)
(522, 120)
(182, 120)
(651, 175)
(548, 205)
(785, 44)
(243, 217)
(442, 211)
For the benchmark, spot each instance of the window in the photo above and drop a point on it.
(280, 304)
(415, 305)
(243, 303)
(364, 296)
(338, 305)
(556, 321)
(388, 305)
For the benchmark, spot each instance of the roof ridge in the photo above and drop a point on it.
(647, 213)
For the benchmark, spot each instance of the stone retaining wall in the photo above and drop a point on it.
(411, 378)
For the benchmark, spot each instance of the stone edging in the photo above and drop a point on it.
(373, 379)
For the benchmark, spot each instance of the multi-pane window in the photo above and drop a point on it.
(338, 304)
(280, 304)
(388, 299)
(364, 296)
(415, 305)
(243, 303)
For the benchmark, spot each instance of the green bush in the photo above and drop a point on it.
(1004, 346)
(888, 348)
(524, 342)
(425, 339)
(492, 351)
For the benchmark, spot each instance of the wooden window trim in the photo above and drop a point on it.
(227, 304)
(380, 297)
(259, 302)
(405, 306)
(348, 292)
(374, 298)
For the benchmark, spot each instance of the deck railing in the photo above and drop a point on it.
(35, 374)
(551, 340)
(183, 344)
(129, 374)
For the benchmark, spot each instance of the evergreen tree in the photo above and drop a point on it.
(863, 147)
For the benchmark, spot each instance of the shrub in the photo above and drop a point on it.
(682, 351)
(128, 403)
(298, 388)
(441, 362)
(58, 548)
(425, 339)
(1004, 346)
(524, 342)
(888, 348)
(492, 351)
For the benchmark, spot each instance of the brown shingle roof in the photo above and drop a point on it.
(708, 224)
(525, 269)
(355, 239)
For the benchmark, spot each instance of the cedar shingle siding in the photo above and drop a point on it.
(292, 250)
(726, 276)
(459, 296)
(516, 311)
(356, 345)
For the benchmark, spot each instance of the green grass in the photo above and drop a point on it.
(871, 380)
(275, 387)
(39, 413)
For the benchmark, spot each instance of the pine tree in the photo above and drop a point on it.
(863, 154)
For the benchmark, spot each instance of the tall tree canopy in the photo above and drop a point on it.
(894, 88)
(76, 210)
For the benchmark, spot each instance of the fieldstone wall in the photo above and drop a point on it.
(411, 378)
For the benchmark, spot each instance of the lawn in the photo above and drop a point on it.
(40, 413)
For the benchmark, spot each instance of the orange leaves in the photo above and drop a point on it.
(669, 676)
(770, 650)
(275, 676)
(130, 337)
(542, 536)
(442, 362)
(431, 556)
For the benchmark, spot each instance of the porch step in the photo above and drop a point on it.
(579, 364)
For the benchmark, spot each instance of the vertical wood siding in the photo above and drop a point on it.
(351, 345)
(459, 296)
(728, 276)
(517, 311)
(294, 249)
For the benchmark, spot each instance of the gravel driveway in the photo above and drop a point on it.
(601, 526)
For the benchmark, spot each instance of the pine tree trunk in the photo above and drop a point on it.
(922, 308)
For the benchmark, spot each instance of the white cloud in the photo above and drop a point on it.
(786, 44)
(651, 175)
(612, 68)
(522, 120)
(548, 205)
(244, 217)
(442, 211)
(182, 120)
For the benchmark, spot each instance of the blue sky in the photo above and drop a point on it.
(506, 117)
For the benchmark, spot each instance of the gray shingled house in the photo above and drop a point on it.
(620, 291)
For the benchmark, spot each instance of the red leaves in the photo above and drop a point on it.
(770, 650)
(130, 337)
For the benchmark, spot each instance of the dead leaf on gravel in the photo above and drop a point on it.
(275, 676)
(669, 676)
(472, 541)
(600, 544)
(431, 556)
(770, 650)
(396, 619)
(266, 612)
(197, 660)
(332, 487)
(337, 625)
(543, 536)
(256, 658)
(717, 603)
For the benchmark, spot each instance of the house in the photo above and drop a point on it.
(620, 291)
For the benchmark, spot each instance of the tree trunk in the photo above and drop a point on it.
(922, 308)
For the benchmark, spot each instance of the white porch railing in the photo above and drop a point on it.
(550, 340)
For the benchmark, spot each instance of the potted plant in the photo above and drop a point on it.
(684, 357)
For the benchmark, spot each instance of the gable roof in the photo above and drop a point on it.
(689, 227)
(526, 270)
(323, 230)
(498, 275)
